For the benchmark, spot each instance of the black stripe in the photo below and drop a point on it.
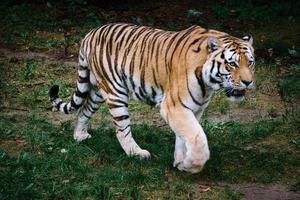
(80, 57)
(184, 104)
(112, 106)
(83, 79)
(222, 55)
(193, 98)
(194, 42)
(157, 57)
(138, 96)
(124, 79)
(170, 43)
(58, 104)
(200, 40)
(113, 73)
(92, 37)
(213, 66)
(125, 26)
(223, 36)
(121, 117)
(66, 109)
(74, 105)
(200, 82)
(94, 101)
(116, 64)
(83, 68)
(108, 55)
(154, 77)
(219, 74)
(154, 40)
(85, 115)
(127, 133)
(125, 104)
(103, 69)
(99, 95)
(213, 80)
(104, 37)
(92, 107)
(146, 98)
(88, 108)
(153, 93)
(81, 94)
(144, 44)
(121, 130)
(184, 36)
(232, 54)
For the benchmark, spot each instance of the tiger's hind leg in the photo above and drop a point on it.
(90, 106)
(118, 108)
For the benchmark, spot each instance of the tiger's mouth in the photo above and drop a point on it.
(235, 92)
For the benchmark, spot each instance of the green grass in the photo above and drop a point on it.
(44, 26)
(241, 151)
(25, 82)
(289, 84)
(40, 160)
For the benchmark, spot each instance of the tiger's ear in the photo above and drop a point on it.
(213, 44)
(248, 38)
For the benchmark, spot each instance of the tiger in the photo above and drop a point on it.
(175, 71)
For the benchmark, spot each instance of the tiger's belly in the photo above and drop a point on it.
(149, 95)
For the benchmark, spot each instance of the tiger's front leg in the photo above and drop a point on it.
(191, 148)
(180, 150)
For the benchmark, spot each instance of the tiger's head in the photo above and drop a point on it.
(230, 65)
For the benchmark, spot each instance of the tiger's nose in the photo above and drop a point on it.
(248, 84)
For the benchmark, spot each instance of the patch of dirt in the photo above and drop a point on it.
(58, 117)
(241, 115)
(49, 58)
(266, 192)
(255, 191)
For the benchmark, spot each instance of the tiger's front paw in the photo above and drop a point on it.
(179, 156)
(81, 135)
(193, 164)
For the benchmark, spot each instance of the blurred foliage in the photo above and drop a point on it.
(258, 11)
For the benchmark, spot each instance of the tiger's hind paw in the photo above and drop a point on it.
(143, 154)
(79, 136)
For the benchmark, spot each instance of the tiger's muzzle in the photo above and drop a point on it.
(230, 92)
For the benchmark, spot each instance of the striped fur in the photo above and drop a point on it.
(177, 71)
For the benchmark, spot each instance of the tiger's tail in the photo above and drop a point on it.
(80, 95)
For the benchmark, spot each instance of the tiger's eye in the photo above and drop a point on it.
(232, 64)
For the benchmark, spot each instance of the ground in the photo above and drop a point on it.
(254, 144)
